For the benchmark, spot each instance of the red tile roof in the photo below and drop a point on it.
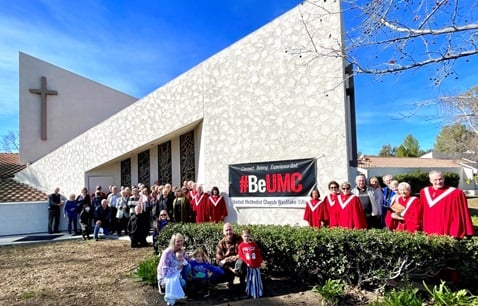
(11, 190)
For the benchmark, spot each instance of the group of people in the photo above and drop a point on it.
(135, 210)
(439, 209)
(235, 256)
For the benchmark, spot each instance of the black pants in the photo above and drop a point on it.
(114, 220)
(53, 220)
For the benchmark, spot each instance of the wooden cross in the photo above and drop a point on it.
(43, 92)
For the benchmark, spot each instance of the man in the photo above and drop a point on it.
(54, 205)
(445, 209)
(227, 257)
(99, 190)
(370, 207)
(102, 216)
(138, 228)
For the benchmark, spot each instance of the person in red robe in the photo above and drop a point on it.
(350, 209)
(202, 206)
(445, 209)
(330, 201)
(218, 205)
(405, 213)
(315, 210)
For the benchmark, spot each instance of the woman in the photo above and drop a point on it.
(181, 207)
(122, 211)
(315, 210)
(405, 213)
(168, 263)
(218, 205)
(84, 199)
(331, 204)
(201, 206)
(350, 209)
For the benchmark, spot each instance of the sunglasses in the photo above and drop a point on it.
(345, 188)
(163, 215)
(334, 187)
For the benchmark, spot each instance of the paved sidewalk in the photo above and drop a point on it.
(45, 237)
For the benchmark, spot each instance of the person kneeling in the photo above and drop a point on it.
(138, 228)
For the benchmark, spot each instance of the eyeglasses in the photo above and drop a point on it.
(345, 188)
(334, 187)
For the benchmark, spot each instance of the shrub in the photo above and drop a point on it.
(146, 271)
(442, 295)
(365, 258)
(419, 180)
(406, 296)
(332, 291)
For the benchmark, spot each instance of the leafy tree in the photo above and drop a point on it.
(10, 142)
(387, 151)
(453, 139)
(409, 147)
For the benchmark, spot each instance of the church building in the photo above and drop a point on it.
(278, 94)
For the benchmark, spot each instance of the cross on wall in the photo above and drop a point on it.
(43, 92)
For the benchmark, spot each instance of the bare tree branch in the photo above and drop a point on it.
(390, 36)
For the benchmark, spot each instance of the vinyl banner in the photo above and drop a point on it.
(278, 182)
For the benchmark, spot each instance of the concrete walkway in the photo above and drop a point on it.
(45, 237)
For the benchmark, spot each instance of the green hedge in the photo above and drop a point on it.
(419, 179)
(364, 258)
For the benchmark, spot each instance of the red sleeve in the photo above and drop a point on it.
(307, 214)
(413, 216)
(240, 253)
(461, 224)
(324, 212)
(360, 222)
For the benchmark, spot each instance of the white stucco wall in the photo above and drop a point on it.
(26, 218)
(252, 101)
(80, 104)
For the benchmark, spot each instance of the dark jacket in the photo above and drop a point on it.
(138, 226)
(104, 215)
(86, 216)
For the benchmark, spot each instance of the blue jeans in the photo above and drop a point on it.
(106, 231)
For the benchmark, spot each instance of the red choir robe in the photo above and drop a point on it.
(412, 215)
(202, 208)
(445, 212)
(316, 212)
(192, 195)
(218, 207)
(349, 212)
(333, 211)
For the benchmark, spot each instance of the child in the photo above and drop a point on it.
(71, 211)
(86, 217)
(200, 273)
(174, 283)
(248, 251)
(162, 221)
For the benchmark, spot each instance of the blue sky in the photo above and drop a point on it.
(137, 46)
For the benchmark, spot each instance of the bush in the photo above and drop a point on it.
(364, 258)
(419, 179)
